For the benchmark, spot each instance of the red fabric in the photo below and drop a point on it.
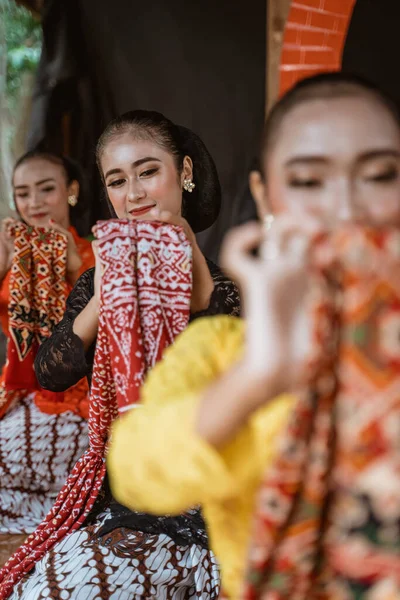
(327, 503)
(32, 300)
(38, 293)
(144, 305)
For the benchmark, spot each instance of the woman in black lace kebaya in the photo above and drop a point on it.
(152, 169)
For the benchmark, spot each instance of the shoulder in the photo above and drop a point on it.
(217, 273)
(85, 250)
(226, 297)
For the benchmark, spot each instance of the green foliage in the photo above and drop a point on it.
(23, 43)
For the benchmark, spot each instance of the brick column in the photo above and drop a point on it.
(314, 38)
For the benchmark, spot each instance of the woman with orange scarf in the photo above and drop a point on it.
(41, 434)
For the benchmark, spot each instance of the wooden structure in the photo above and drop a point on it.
(277, 13)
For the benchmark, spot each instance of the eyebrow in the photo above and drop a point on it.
(135, 164)
(365, 156)
(20, 187)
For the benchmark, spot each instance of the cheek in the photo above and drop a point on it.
(166, 191)
(22, 208)
(56, 200)
(118, 200)
(384, 208)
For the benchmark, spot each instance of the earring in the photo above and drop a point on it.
(268, 221)
(72, 200)
(188, 185)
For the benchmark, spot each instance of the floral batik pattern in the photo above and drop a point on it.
(38, 293)
(327, 522)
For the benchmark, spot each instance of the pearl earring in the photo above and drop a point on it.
(72, 200)
(188, 185)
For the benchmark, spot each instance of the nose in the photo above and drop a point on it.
(346, 209)
(136, 191)
(35, 199)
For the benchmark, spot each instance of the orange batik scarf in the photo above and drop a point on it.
(327, 522)
(144, 304)
(38, 293)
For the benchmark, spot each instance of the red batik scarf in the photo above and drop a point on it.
(38, 292)
(344, 436)
(144, 304)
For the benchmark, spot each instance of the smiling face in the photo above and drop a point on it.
(41, 192)
(139, 175)
(336, 159)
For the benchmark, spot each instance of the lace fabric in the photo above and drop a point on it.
(61, 362)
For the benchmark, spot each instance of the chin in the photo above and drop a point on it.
(39, 222)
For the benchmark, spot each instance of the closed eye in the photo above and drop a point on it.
(305, 183)
(387, 176)
(116, 183)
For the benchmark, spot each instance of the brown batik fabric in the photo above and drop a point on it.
(122, 565)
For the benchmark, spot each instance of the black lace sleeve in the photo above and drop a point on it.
(225, 299)
(61, 360)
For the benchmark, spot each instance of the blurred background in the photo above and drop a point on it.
(68, 67)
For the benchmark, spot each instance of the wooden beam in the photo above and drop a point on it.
(277, 13)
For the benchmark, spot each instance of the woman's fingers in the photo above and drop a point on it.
(6, 227)
(238, 245)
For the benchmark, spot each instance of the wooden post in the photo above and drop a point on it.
(277, 13)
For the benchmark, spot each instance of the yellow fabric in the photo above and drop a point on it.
(157, 464)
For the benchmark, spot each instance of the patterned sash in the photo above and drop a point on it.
(144, 304)
(38, 292)
(327, 522)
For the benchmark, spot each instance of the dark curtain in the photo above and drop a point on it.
(373, 44)
(201, 63)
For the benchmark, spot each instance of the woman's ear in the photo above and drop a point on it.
(73, 189)
(187, 170)
(258, 190)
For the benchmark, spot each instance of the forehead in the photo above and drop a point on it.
(337, 127)
(37, 169)
(127, 148)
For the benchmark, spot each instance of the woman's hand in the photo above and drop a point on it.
(74, 260)
(6, 245)
(203, 284)
(274, 292)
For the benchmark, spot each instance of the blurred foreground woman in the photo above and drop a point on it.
(285, 427)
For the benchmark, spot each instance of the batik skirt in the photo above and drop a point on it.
(37, 453)
(121, 565)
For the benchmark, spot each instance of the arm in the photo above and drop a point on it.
(156, 461)
(224, 299)
(63, 360)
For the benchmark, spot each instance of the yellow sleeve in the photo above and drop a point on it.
(156, 462)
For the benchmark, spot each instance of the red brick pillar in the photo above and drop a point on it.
(314, 38)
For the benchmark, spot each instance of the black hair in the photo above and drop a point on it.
(320, 87)
(72, 172)
(201, 207)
